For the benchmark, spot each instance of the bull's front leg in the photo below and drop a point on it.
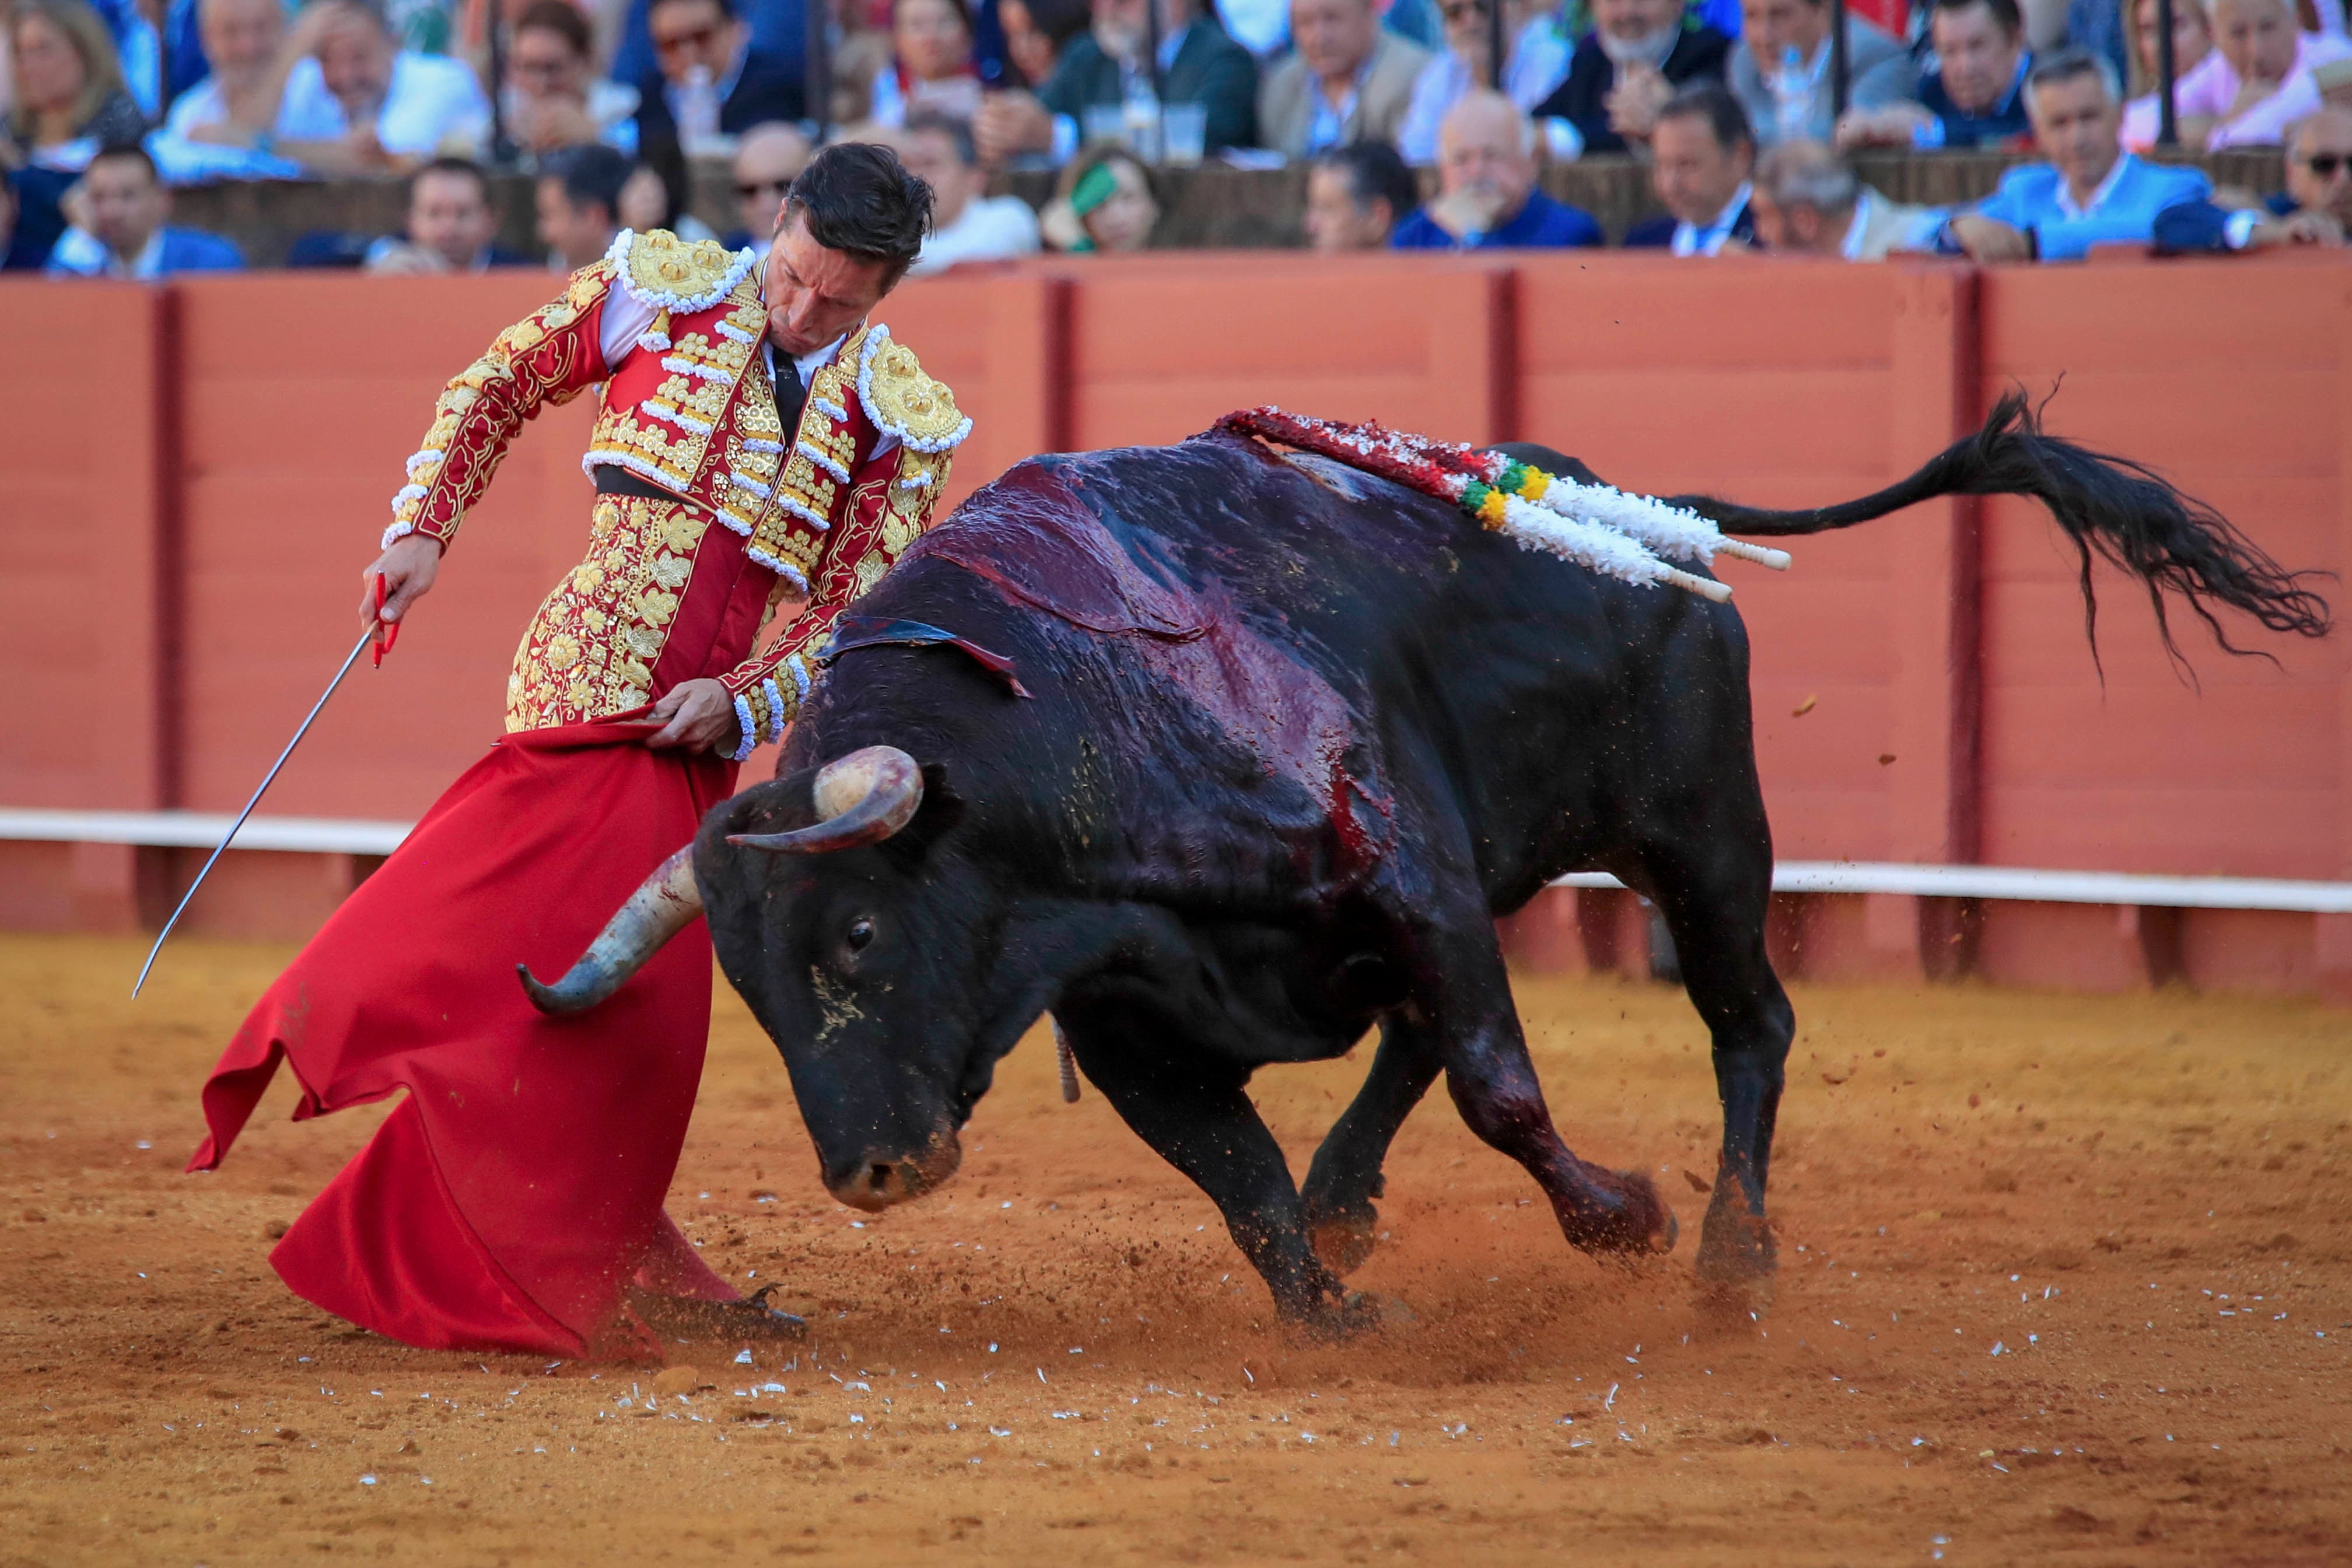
(1345, 1175)
(1464, 993)
(1190, 1107)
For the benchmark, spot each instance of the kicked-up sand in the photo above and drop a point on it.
(2065, 1280)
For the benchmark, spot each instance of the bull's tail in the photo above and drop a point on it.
(2113, 506)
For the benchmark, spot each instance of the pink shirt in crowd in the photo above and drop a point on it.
(2211, 87)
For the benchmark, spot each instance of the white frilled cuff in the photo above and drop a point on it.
(747, 732)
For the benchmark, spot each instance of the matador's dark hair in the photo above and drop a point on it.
(858, 198)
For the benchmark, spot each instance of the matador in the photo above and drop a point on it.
(760, 443)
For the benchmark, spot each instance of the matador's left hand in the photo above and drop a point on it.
(698, 715)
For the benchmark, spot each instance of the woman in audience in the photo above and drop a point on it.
(931, 66)
(1102, 202)
(2192, 40)
(1037, 31)
(69, 97)
(554, 97)
(657, 192)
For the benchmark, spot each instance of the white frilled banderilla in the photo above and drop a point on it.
(1626, 536)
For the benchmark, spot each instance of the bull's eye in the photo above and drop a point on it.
(861, 932)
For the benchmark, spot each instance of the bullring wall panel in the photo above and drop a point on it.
(201, 472)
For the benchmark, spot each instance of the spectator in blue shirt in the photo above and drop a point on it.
(1486, 176)
(1971, 92)
(2091, 192)
(126, 206)
(2315, 208)
(148, 53)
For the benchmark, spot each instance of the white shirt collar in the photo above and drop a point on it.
(2098, 197)
(1849, 247)
(807, 364)
(1692, 240)
(148, 263)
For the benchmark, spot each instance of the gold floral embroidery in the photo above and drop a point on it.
(803, 491)
(679, 440)
(591, 650)
(532, 363)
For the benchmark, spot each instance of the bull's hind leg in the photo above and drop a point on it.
(1466, 997)
(1190, 1107)
(1345, 1175)
(1714, 891)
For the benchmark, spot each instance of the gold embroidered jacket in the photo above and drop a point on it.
(690, 407)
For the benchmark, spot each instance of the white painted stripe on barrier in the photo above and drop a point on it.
(203, 829)
(2029, 886)
(345, 836)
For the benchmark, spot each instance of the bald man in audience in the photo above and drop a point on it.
(1809, 202)
(768, 158)
(1487, 197)
(2315, 208)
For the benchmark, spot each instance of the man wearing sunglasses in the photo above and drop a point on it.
(2315, 208)
(767, 160)
(703, 46)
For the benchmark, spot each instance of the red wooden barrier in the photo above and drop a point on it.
(198, 473)
(85, 626)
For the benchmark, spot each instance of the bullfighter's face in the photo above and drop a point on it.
(815, 293)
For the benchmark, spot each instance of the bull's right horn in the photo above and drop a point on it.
(660, 907)
(862, 798)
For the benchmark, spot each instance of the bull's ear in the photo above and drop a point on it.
(941, 809)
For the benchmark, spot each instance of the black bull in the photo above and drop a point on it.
(1296, 737)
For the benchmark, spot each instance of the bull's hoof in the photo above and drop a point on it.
(1642, 1226)
(1357, 1315)
(1726, 1307)
(1343, 1241)
(1735, 1243)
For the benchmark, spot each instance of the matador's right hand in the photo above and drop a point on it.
(407, 568)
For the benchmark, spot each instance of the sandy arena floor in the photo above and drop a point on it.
(2065, 1280)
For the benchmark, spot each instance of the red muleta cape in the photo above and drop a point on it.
(566, 1130)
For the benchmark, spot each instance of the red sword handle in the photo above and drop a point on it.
(386, 632)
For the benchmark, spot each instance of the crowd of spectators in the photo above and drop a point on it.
(1411, 136)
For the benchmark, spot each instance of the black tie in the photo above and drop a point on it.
(791, 394)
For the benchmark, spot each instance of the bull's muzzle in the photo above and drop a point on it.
(880, 1180)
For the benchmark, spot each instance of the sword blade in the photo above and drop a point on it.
(349, 659)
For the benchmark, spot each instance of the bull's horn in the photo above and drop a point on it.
(660, 907)
(862, 798)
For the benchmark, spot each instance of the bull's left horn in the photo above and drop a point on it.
(660, 907)
(862, 798)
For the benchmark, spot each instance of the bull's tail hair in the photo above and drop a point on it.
(2118, 508)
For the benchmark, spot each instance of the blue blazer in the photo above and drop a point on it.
(2194, 227)
(77, 255)
(2028, 199)
(1658, 233)
(193, 250)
